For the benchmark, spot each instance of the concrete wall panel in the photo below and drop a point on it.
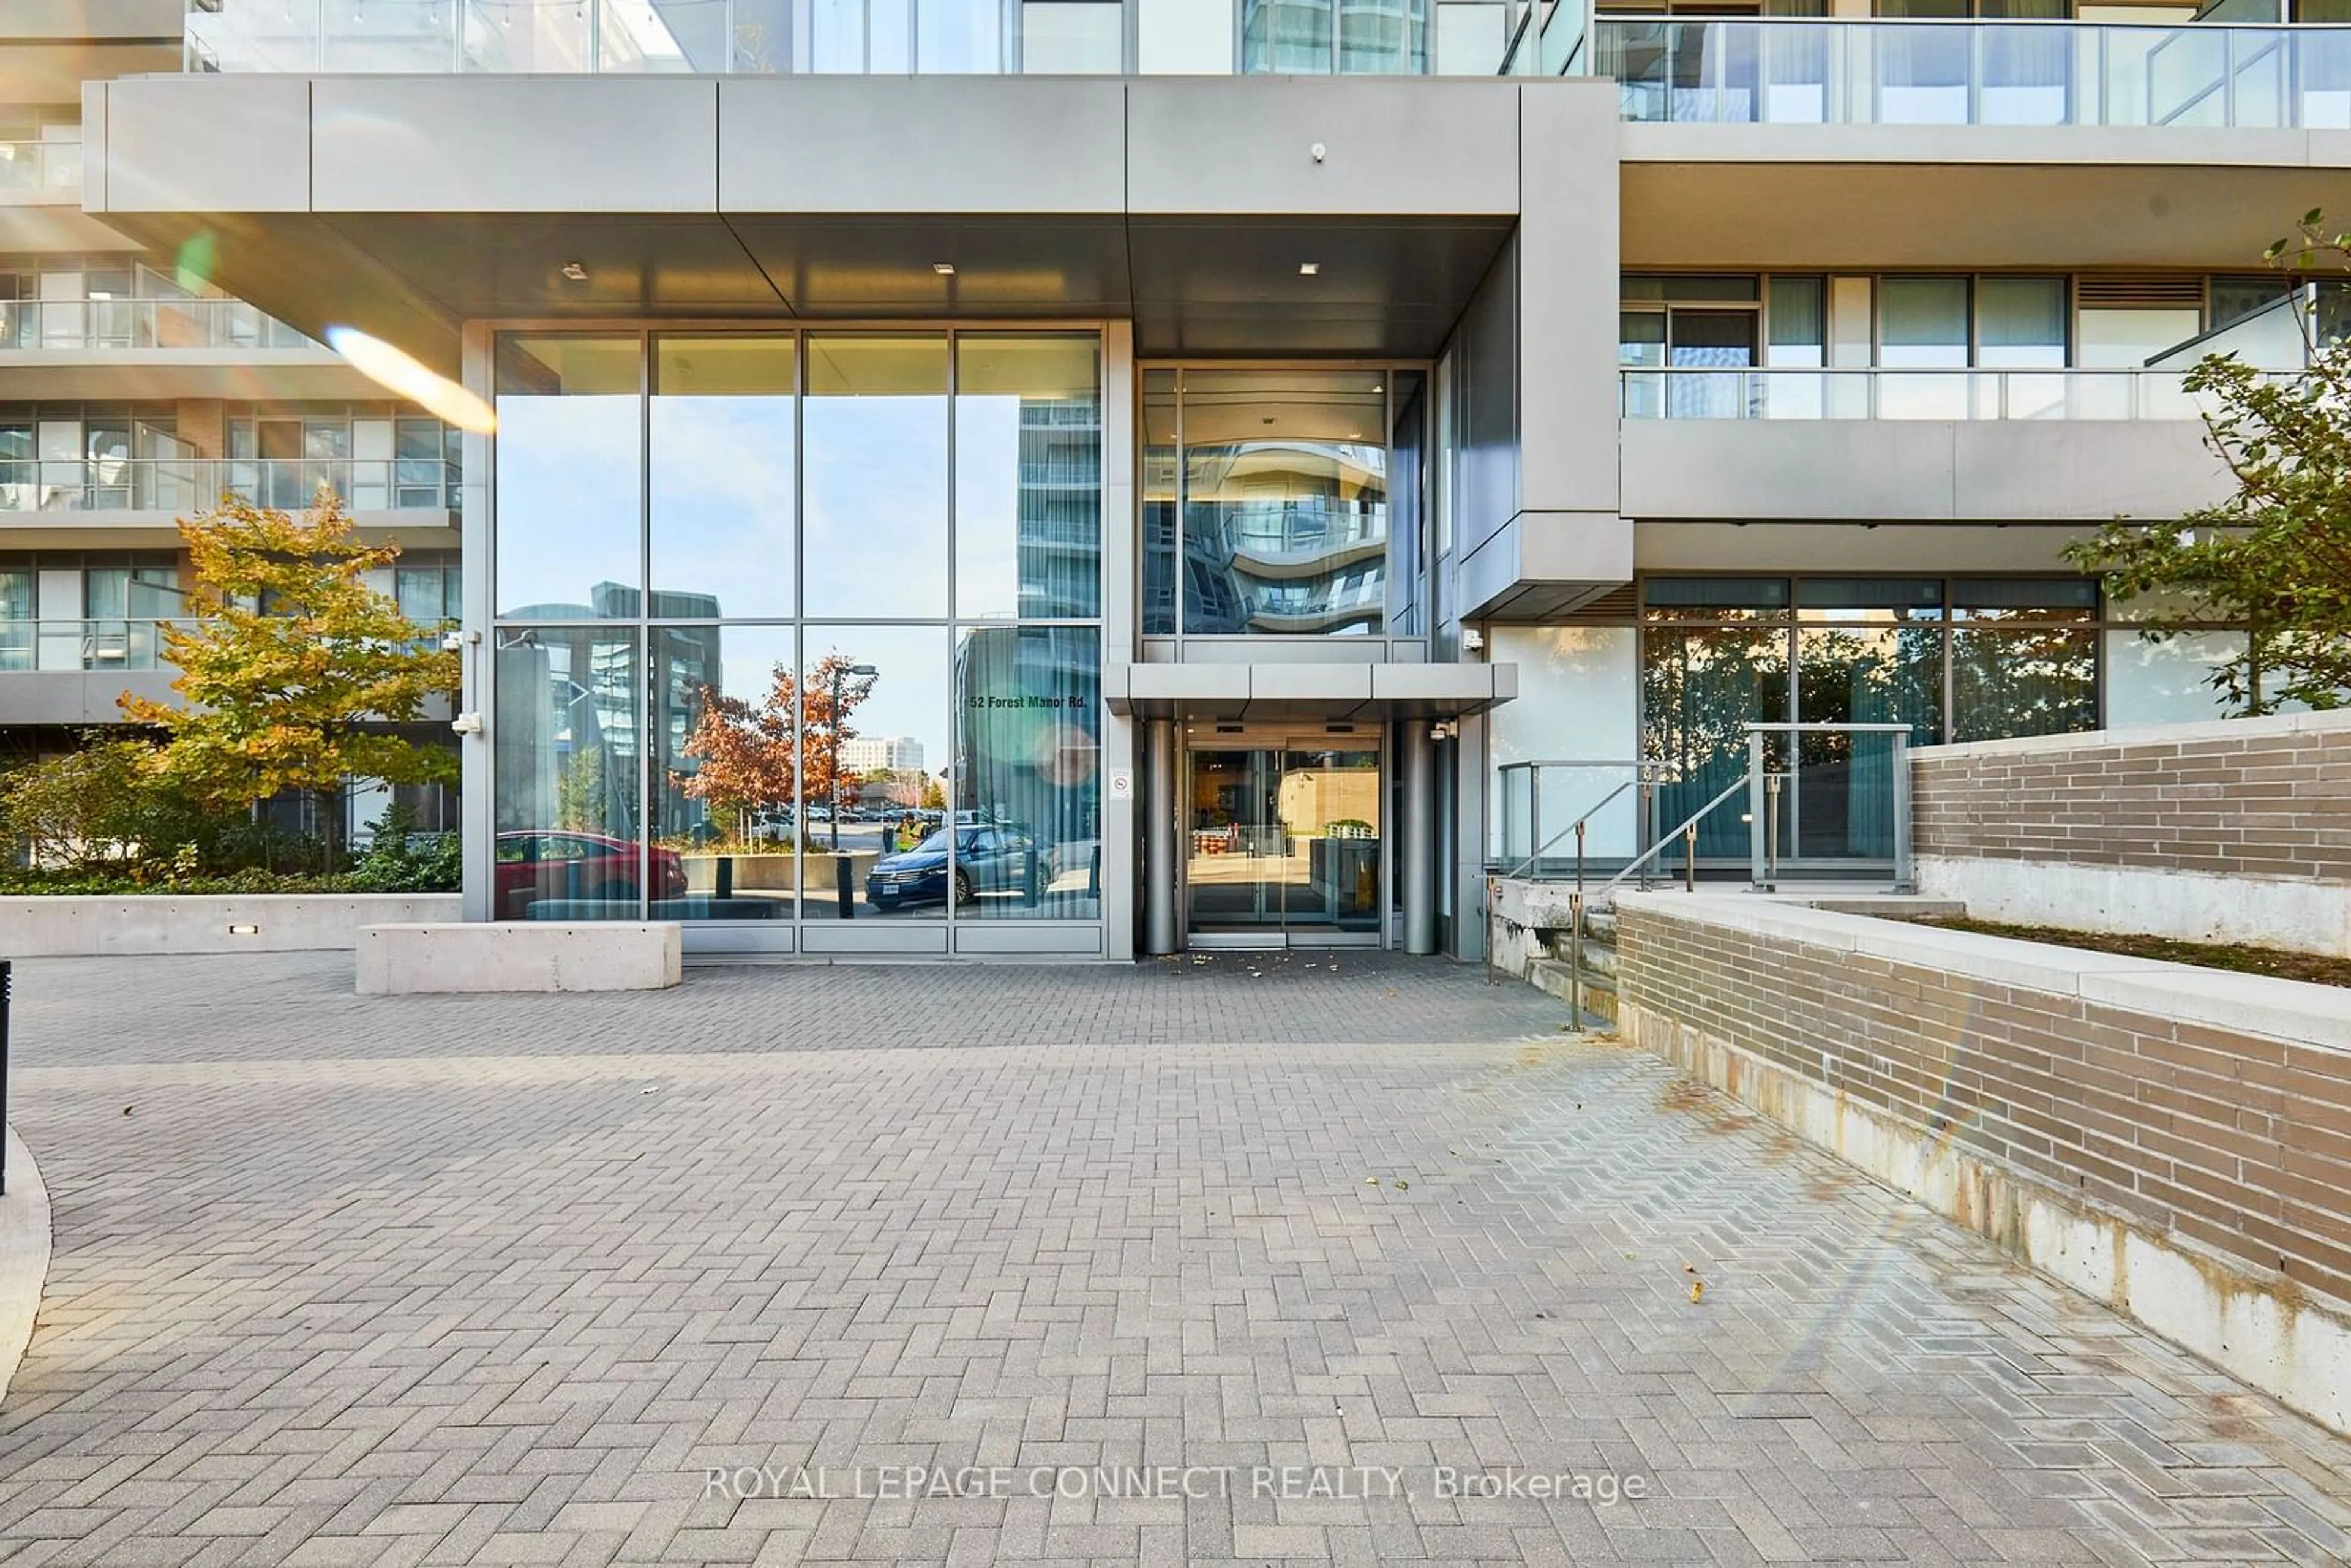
(1200, 144)
(183, 146)
(1568, 250)
(936, 144)
(515, 145)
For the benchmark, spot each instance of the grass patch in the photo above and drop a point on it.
(2243, 959)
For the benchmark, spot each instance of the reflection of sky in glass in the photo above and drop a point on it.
(988, 505)
(566, 500)
(909, 694)
(721, 501)
(877, 490)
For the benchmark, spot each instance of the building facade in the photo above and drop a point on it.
(135, 391)
(1224, 439)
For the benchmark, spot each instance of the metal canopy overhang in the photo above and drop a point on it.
(1307, 693)
(1385, 288)
(1267, 216)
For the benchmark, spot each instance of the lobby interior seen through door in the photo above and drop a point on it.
(1282, 843)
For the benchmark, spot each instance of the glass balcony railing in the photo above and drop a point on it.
(48, 166)
(765, 37)
(51, 646)
(1977, 394)
(181, 486)
(28, 325)
(1823, 72)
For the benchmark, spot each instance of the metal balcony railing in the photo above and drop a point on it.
(51, 646)
(1819, 71)
(39, 324)
(181, 486)
(1905, 393)
(52, 164)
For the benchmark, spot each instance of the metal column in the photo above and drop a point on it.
(1160, 933)
(1416, 853)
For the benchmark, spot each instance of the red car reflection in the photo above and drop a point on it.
(532, 866)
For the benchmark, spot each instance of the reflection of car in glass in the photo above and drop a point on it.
(987, 860)
(564, 865)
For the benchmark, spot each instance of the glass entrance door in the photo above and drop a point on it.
(1284, 845)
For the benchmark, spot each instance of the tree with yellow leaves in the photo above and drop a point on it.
(296, 669)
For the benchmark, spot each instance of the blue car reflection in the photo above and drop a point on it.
(985, 859)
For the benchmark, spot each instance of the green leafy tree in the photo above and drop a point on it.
(297, 669)
(2275, 556)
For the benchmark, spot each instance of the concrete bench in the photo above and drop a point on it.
(519, 955)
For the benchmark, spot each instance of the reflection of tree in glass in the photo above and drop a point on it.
(744, 751)
(1701, 686)
(2022, 680)
(579, 793)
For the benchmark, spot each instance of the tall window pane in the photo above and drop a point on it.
(1028, 818)
(1383, 38)
(1159, 502)
(1028, 477)
(1286, 38)
(959, 36)
(1700, 688)
(568, 845)
(874, 745)
(2009, 680)
(2021, 321)
(1285, 502)
(724, 792)
(569, 478)
(1923, 321)
(875, 424)
(722, 477)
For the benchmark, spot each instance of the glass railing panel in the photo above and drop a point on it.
(1907, 394)
(1822, 71)
(48, 166)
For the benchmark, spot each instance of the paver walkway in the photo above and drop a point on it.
(491, 1280)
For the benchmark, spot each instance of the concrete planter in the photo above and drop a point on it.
(752, 872)
(80, 926)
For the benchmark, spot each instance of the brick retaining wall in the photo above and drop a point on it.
(2229, 830)
(2174, 1141)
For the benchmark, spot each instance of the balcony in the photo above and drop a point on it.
(1904, 393)
(180, 486)
(54, 646)
(79, 325)
(41, 172)
(1903, 445)
(1826, 72)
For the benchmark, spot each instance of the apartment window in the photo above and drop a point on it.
(1953, 659)
(1688, 323)
(2020, 322)
(1320, 37)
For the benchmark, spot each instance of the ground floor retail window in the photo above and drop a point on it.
(798, 629)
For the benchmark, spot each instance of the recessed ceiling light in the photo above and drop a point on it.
(575, 271)
(1309, 268)
(943, 268)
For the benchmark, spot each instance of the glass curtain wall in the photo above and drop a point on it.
(1348, 37)
(760, 659)
(1956, 659)
(1265, 502)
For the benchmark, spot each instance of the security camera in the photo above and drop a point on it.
(466, 724)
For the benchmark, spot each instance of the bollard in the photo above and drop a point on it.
(1031, 885)
(1093, 873)
(725, 885)
(845, 885)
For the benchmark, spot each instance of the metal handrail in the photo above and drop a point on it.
(1648, 772)
(1687, 830)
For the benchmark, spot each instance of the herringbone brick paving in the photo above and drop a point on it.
(501, 1279)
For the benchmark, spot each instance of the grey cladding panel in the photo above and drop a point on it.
(936, 144)
(191, 145)
(1244, 144)
(515, 145)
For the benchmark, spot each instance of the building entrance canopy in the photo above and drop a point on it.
(1306, 692)
(1342, 216)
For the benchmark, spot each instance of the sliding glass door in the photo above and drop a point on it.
(1283, 844)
